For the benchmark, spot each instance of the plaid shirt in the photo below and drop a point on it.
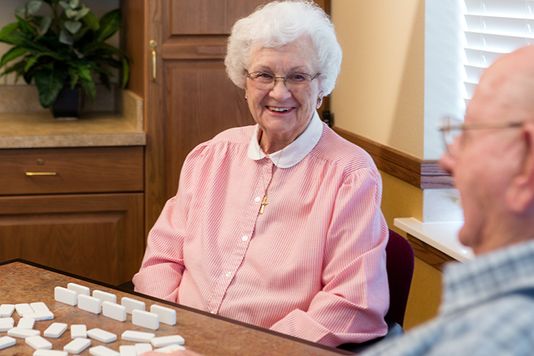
(487, 309)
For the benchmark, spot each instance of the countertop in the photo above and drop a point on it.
(41, 129)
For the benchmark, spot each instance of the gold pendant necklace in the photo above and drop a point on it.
(264, 202)
(265, 199)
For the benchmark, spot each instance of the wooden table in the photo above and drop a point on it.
(25, 282)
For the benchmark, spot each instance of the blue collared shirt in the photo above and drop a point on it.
(487, 309)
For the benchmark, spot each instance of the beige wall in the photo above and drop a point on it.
(380, 95)
(380, 91)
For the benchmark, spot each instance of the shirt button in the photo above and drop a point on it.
(257, 199)
(244, 238)
(228, 274)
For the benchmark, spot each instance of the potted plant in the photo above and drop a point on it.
(60, 46)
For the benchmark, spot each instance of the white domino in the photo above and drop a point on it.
(132, 304)
(145, 319)
(104, 296)
(23, 308)
(23, 333)
(41, 312)
(170, 348)
(166, 315)
(39, 307)
(143, 347)
(26, 323)
(77, 345)
(38, 343)
(163, 341)
(137, 336)
(102, 351)
(55, 330)
(78, 331)
(66, 296)
(6, 310)
(90, 304)
(6, 341)
(79, 289)
(114, 311)
(101, 335)
(6, 324)
(127, 350)
(50, 353)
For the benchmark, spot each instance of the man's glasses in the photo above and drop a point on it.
(292, 81)
(452, 128)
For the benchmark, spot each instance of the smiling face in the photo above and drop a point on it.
(283, 114)
(485, 162)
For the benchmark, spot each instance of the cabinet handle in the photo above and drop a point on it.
(153, 45)
(40, 174)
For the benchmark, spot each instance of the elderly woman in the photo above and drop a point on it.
(277, 224)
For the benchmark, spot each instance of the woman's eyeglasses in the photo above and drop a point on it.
(267, 80)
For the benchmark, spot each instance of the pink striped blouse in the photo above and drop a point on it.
(312, 265)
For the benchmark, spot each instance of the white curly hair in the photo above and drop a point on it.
(277, 24)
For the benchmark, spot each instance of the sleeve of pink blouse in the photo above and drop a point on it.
(161, 271)
(355, 296)
(162, 267)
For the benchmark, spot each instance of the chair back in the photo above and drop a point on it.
(400, 266)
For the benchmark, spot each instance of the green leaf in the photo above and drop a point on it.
(13, 53)
(125, 72)
(82, 12)
(7, 33)
(49, 83)
(91, 21)
(33, 6)
(71, 14)
(26, 27)
(44, 25)
(109, 25)
(73, 26)
(74, 77)
(17, 69)
(66, 38)
(30, 62)
(84, 71)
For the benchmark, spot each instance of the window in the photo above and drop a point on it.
(462, 38)
(491, 28)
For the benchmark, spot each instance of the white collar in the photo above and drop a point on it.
(295, 151)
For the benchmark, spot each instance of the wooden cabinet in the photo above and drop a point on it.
(178, 68)
(79, 210)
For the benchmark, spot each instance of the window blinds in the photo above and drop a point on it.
(493, 27)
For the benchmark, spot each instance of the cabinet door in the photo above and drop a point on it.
(97, 236)
(190, 99)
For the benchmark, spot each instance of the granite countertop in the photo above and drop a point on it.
(41, 129)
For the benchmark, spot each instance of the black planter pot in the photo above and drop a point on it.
(68, 103)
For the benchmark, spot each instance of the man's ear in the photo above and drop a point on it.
(520, 193)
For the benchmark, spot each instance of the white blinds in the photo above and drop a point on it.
(493, 27)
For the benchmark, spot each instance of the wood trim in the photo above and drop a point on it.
(423, 174)
(428, 254)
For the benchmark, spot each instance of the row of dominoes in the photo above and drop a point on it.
(81, 341)
(79, 295)
(36, 311)
(106, 303)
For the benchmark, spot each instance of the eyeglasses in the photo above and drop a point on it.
(452, 128)
(292, 81)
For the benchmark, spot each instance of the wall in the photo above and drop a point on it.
(380, 95)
